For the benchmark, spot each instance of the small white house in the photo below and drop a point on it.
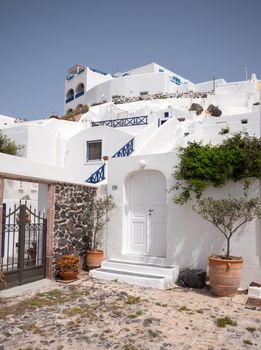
(139, 119)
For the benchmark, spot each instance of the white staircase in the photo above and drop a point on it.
(145, 275)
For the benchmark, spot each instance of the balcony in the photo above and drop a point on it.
(118, 123)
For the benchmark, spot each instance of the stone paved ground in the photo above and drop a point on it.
(92, 314)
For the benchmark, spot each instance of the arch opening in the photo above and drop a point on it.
(69, 96)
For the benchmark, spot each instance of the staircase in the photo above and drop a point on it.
(144, 275)
(99, 174)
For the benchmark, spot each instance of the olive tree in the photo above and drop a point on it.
(229, 214)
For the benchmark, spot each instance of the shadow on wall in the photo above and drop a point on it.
(258, 240)
(193, 239)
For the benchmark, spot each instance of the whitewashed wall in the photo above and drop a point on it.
(130, 86)
(75, 155)
(190, 239)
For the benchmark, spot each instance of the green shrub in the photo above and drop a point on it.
(237, 158)
(6, 145)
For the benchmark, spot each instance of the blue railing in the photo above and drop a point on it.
(80, 93)
(98, 71)
(117, 123)
(69, 77)
(126, 150)
(175, 80)
(98, 176)
(69, 99)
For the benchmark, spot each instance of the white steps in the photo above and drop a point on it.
(145, 275)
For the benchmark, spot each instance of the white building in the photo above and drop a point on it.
(138, 119)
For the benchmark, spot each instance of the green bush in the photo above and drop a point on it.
(237, 158)
(6, 145)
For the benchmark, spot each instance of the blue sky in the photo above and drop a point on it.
(41, 39)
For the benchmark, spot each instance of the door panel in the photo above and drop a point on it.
(147, 215)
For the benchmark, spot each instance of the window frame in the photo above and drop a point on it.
(87, 158)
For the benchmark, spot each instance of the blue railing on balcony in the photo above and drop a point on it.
(69, 77)
(98, 176)
(69, 99)
(175, 80)
(126, 150)
(80, 93)
(117, 123)
(98, 71)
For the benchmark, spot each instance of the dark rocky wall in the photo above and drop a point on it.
(72, 232)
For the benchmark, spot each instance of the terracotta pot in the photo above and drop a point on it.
(94, 258)
(224, 275)
(105, 158)
(69, 275)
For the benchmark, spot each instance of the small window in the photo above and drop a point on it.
(166, 114)
(144, 93)
(94, 150)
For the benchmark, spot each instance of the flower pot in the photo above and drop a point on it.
(105, 158)
(69, 275)
(224, 275)
(94, 258)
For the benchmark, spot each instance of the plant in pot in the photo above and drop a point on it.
(227, 215)
(97, 214)
(68, 266)
(237, 158)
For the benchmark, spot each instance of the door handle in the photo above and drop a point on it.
(151, 211)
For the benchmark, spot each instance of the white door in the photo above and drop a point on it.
(147, 215)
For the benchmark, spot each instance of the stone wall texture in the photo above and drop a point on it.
(72, 232)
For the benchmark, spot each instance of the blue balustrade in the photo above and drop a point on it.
(69, 99)
(80, 93)
(69, 77)
(98, 71)
(175, 80)
(117, 123)
(126, 150)
(98, 176)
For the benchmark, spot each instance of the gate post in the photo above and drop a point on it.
(49, 233)
(1, 209)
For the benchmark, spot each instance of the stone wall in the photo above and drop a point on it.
(72, 232)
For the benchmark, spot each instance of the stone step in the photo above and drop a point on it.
(145, 275)
(140, 279)
(149, 269)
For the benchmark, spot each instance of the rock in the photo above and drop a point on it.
(214, 111)
(192, 278)
(197, 108)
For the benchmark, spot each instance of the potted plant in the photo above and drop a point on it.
(68, 266)
(227, 215)
(98, 215)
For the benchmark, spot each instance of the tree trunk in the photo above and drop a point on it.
(228, 247)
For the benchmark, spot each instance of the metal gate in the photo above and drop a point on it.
(23, 245)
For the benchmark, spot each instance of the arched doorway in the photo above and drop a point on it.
(147, 198)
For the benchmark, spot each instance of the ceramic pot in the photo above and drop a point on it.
(94, 258)
(224, 275)
(69, 275)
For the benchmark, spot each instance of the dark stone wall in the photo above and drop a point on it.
(72, 232)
